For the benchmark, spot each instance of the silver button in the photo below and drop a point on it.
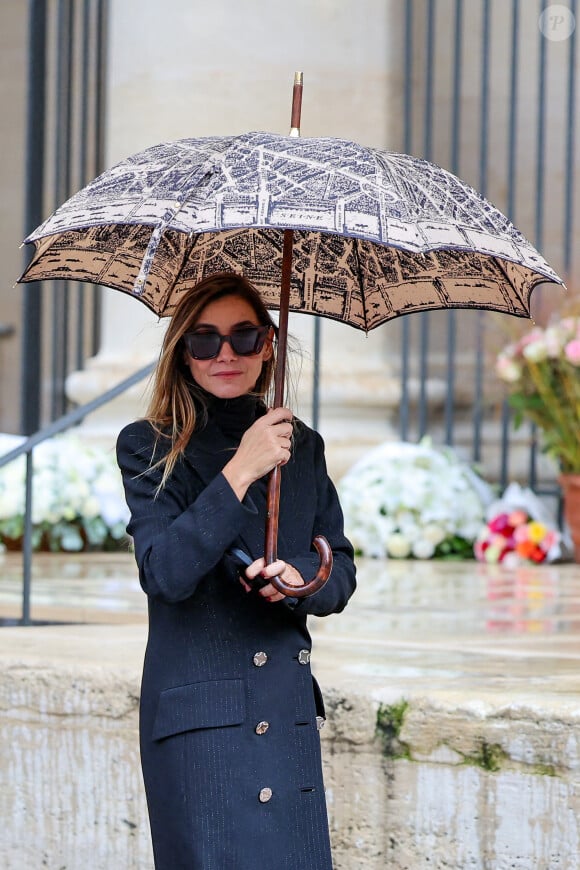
(260, 659)
(320, 722)
(304, 657)
(265, 795)
(262, 727)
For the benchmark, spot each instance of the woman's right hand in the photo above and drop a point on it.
(266, 444)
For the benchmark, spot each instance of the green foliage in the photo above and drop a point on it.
(390, 720)
(490, 757)
(454, 548)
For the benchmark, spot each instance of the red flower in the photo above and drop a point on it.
(501, 525)
(530, 551)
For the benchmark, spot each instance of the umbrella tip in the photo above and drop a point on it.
(296, 104)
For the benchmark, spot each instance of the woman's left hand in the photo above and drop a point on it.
(287, 572)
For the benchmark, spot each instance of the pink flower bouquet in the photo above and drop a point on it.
(517, 532)
(542, 372)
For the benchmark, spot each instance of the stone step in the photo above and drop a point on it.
(451, 739)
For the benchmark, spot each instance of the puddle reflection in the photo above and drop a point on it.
(458, 599)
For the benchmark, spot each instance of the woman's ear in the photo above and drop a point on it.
(268, 349)
(185, 357)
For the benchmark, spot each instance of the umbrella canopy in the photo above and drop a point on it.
(323, 226)
(376, 234)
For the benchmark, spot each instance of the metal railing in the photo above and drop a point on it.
(500, 54)
(26, 449)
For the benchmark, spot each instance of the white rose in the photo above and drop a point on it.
(398, 547)
(90, 507)
(434, 534)
(508, 369)
(555, 339)
(423, 549)
(536, 350)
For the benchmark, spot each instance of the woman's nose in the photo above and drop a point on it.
(226, 350)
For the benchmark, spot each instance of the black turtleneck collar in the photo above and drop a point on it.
(234, 416)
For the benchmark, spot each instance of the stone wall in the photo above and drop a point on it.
(452, 787)
(71, 794)
(410, 784)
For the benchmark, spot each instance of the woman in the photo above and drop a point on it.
(229, 710)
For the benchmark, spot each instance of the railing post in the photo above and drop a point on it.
(27, 542)
(32, 297)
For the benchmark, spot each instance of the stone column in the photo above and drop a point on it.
(176, 82)
(131, 339)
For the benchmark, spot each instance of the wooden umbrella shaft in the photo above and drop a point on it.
(274, 480)
(273, 492)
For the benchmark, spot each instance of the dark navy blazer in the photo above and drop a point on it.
(229, 743)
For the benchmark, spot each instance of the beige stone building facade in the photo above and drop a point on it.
(181, 69)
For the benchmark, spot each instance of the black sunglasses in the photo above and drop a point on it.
(244, 342)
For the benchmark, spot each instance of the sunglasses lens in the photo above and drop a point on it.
(247, 341)
(203, 345)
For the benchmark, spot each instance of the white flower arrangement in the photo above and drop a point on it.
(413, 501)
(77, 496)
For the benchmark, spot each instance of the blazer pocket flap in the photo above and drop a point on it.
(211, 704)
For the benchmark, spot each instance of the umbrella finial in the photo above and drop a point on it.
(296, 104)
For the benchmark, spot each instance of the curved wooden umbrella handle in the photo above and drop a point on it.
(323, 548)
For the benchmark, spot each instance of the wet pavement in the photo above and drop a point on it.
(454, 629)
(92, 588)
(461, 631)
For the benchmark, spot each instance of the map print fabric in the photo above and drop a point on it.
(377, 234)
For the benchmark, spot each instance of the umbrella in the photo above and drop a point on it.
(324, 226)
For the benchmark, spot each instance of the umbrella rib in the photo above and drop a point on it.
(192, 177)
(187, 249)
(531, 284)
(361, 288)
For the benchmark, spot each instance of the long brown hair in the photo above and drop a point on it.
(176, 400)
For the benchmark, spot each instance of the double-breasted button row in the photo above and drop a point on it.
(260, 658)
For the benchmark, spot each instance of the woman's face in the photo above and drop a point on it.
(228, 375)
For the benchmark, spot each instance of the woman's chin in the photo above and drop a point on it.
(227, 391)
